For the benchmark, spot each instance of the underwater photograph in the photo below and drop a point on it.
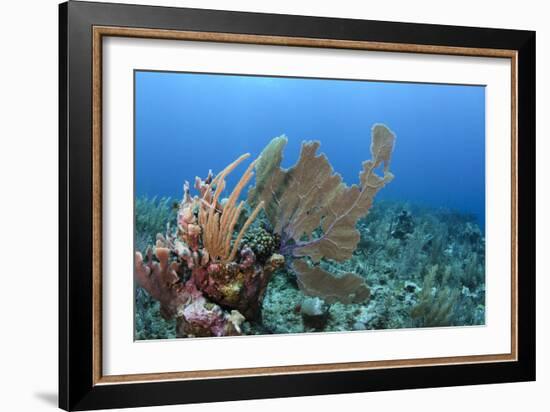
(275, 205)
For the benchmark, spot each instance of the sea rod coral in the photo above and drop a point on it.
(210, 274)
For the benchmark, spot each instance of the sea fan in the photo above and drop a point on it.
(315, 212)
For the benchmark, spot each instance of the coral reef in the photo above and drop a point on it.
(304, 252)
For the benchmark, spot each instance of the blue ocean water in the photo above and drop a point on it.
(186, 124)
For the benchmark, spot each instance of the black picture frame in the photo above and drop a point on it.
(77, 389)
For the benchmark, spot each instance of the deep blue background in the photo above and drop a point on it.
(188, 123)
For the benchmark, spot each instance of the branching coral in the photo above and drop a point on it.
(217, 221)
(206, 221)
(160, 279)
(314, 211)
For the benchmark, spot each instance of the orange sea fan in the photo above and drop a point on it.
(314, 211)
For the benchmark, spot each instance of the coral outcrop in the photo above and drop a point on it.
(201, 275)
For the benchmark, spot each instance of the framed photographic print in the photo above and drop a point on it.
(258, 205)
